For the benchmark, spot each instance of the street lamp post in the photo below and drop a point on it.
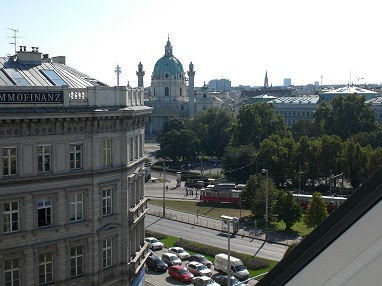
(164, 187)
(265, 171)
(228, 219)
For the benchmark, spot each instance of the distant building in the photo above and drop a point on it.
(376, 105)
(287, 82)
(72, 176)
(170, 96)
(294, 109)
(219, 84)
(347, 90)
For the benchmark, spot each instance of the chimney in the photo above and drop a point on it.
(58, 60)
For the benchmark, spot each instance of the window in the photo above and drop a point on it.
(106, 202)
(12, 272)
(76, 207)
(76, 261)
(44, 212)
(9, 161)
(131, 148)
(53, 77)
(16, 77)
(167, 91)
(43, 158)
(107, 152)
(76, 156)
(11, 216)
(45, 268)
(106, 252)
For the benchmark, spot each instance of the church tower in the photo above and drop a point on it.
(191, 91)
(140, 74)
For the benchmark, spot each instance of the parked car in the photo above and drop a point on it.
(171, 259)
(222, 280)
(180, 252)
(204, 281)
(154, 243)
(201, 259)
(180, 273)
(153, 262)
(198, 269)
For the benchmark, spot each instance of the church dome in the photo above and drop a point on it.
(168, 66)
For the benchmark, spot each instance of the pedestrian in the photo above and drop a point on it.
(166, 188)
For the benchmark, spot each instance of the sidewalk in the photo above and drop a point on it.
(216, 224)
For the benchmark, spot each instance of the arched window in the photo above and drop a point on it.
(167, 91)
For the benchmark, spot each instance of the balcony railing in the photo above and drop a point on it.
(138, 211)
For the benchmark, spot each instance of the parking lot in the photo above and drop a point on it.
(163, 278)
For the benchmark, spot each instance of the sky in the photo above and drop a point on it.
(338, 42)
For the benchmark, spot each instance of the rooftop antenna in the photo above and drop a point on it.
(118, 71)
(14, 37)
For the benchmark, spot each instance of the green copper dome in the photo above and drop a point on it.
(168, 66)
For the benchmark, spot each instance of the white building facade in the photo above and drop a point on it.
(72, 180)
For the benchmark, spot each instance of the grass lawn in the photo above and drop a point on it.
(205, 209)
(216, 210)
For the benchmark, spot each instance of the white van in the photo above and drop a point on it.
(238, 269)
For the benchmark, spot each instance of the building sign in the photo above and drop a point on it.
(32, 97)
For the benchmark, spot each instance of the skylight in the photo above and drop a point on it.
(16, 76)
(53, 77)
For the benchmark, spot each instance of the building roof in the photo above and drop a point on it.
(350, 89)
(296, 100)
(375, 101)
(330, 231)
(168, 66)
(32, 68)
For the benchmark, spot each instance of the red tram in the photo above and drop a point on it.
(221, 193)
(331, 202)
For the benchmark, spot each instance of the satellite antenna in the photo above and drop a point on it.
(14, 37)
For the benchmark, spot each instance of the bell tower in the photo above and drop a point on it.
(191, 91)
(140, 73)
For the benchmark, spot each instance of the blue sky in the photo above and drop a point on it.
(238, 40)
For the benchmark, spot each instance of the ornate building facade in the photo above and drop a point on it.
(72, 176)
(170, 96)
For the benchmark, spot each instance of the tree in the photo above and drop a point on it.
(182, 144)
(306, 128)
(214, 129)
(254, 195)
(345, 116)
(287, 209)
(354, 161)
(256, 122)
(279, 155)
(316, 211)
(239, 163)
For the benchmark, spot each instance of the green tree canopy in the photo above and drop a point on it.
(214, 129)
(345, 116)
(287, 209)
(254, 195)
(239, 163)
(179, 144)
(316, 211)
(256, 122)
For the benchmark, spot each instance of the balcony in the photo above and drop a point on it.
(138, 211)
